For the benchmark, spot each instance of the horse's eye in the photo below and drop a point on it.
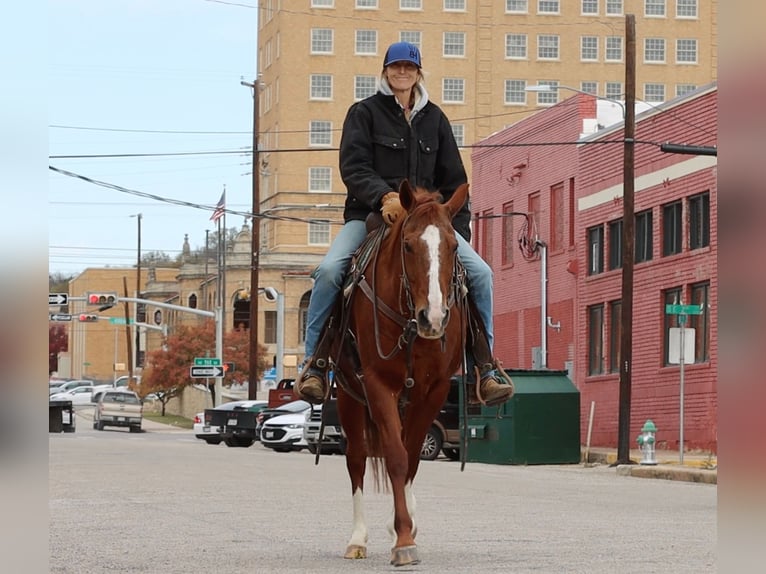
(407, 247)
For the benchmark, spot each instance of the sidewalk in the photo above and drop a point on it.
(697, 466)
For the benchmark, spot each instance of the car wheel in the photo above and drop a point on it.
(312, 448)
(213, 441)
(342, 443)
(432, 444)
(282, 449)
(99, 425)
(135, 428)
(452, 453)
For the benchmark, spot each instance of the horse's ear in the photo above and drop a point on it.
(458, 199)
(406, 194)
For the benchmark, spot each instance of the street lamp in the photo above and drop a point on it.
(272, 295)
(555, 87)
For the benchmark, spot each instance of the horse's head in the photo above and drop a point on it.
(429, 253)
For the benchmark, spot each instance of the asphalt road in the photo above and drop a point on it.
(164, 502)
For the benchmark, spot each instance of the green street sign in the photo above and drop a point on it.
(683, 309)
(119, 321)
(206, 362)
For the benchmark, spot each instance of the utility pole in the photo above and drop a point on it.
(628, 244)
(256, 240)
(138, 290)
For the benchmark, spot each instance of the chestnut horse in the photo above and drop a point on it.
(407, 319)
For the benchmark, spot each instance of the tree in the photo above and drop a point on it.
(57, 343)
(167, 372)
(159, 259)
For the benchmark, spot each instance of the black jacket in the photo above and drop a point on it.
(378, 149)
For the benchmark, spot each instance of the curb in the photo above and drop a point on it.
(693, 469)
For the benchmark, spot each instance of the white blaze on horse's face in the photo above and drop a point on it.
(436, 314)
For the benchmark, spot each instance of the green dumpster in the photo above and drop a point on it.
(540, 424)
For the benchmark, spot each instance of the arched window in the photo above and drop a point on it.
(193, 301)
(303, 314)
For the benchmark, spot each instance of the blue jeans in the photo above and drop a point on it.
(331, 272)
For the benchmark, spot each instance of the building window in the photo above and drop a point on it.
(589, 48)
(270, 327)
(654, 7)
(411, 36)
(547, 6)
(654, 50)
(516, 46)
(670, 297)
(458, 131)
(515, 92)
(615, 335)
(614, 7)
(654, 93)
(548, 98)
(454, 5)
(364, 87)
(547, 47)
(303, 316)
(486, 236)
(321, 86)
(699, 220)
(596, 339)
(589, 7)
(453, 90)
(589, 87)
(366, 3)
(519, 6)
(686, 51)
(319, 232)
(454, 44)
(700, 295)
(672, 232)
(596, 250)
(686, 8)
(410, 4)
(193, 301)
(320, 179)
(557, 218)
(320, 133)
(614, 90)
(615, 244)
(644, 236)
(321, 41)
(322, 3)
(683, 89)
(509, 241)
(366, 42)
(613, 49)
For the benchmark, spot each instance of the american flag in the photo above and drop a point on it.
(220, 207)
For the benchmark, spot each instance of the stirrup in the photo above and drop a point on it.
(311, 385)
(492, 371)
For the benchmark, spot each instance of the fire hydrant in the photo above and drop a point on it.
(646, 442)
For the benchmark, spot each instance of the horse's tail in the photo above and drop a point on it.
(375, 454)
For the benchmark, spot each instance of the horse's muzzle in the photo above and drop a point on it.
(429, 329)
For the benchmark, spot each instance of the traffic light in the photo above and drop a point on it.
(85, 318)
(228, 367)
(102, 298)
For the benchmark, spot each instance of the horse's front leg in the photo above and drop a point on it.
(354, 420)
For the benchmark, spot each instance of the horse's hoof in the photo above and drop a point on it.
(404, 556)
(355, 551)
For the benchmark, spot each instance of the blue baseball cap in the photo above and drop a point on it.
(402, 52)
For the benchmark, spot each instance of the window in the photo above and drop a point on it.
(516, 46)
(303, 316)
(322, 3)
(270, 327)
(515, 92)
(589, 87)
(613, 49)
(614, 7)
(454, 44)
(486, 236)
(683, 89)
(454, 5)
(669, 297)
(320, 133)
(410, 4)
(458, 131)
(654, 92)
(654, 50)
(321, 41)
(686, 51)
(589, 48)
(590, 7)
(320, 179)
(193, 301)
(644, 237)
(453, 90)
(547, 6)
(615, 336)
(366, 42)
(509, 241)
(411, 36)
(700, 295)
(596, 339)
(319, 232)
(548, 98)
(364, 86)
(547, 47)
(366, 3)
(654, 7)
(321, 86)
(686, 8)
(615, 244)
(671, 228)
(596, 250)
(699, 220)
(516, 6)
(556, 240)
(614, 90)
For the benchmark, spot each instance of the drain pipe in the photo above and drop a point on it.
(545, 320)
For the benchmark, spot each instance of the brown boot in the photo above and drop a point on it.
(311, 385)
(491, 391)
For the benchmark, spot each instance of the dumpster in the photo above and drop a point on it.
(61, 416)
(540, 424)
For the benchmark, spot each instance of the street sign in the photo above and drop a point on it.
(207, 362)
(120, 321)
(683, 309)
(198, 372)
(59, 317)
(58, 298)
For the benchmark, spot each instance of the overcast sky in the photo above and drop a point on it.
(139, 77)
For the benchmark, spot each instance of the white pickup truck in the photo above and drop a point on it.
(118, 408)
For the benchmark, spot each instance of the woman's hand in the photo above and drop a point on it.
(391, 207)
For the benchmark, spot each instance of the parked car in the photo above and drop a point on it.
(333, 440)
(68, 386)
(284, 433)
(78, 396)
(120, 408)
(232, 423)
(444, 434)
(298, 406)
